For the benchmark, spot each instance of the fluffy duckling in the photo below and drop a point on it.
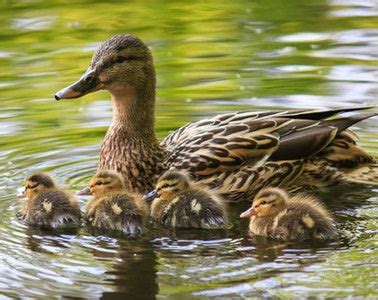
(47, 205)
(112, 207)
(177, 204)
(277, 215)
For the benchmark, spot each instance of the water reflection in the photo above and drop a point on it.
(134, 272)
(211, 57)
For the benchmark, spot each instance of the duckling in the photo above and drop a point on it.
(112, 207)
(177, 204)
(48, 205)
(277, 215)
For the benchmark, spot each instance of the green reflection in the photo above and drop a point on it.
(211, 57)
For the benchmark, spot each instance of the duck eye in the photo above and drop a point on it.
(98, 183)
(263, 202)
(120, 59)
(88, 78)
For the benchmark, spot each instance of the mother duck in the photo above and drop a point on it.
(234, 154)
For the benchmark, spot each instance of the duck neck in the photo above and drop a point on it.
(130, 146)
(134, 112)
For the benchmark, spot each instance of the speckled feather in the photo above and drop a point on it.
(139, 163)
(52, 208)
(190, 209)
(115, 211)
(303, 218)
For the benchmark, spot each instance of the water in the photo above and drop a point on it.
(211, 57)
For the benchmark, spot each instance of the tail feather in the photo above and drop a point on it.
(323, 114)
(366, 174)
(343, 123)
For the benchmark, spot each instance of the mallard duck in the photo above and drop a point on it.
(234, 154)
(47, 205)
(176, 203)
(277, 215)
(112, 207)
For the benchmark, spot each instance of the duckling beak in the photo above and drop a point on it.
(248, 213)
(84, 192)
(150, 196)
(86, 84)
(22, 194)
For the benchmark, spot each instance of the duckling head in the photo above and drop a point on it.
(170, 184)
(36, 184)
(104, 182)
(268, 202)
(123, 64)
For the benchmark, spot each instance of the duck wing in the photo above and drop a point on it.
(217, 146)
(235, 118)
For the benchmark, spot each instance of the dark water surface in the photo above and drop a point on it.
(211, 57)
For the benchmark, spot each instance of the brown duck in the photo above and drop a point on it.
(176, 203)
(277, 215)
(112, 207)
(234, 154)
(47, 205)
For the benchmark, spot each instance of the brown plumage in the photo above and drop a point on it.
(276, 215)
(112, 207)
(47, 205)
(180, 205)
(233, 154)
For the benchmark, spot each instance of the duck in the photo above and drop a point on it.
(234, 154)
(48, 205)
(177, 203)
(277, 215)
(112, 207)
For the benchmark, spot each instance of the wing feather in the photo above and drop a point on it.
(229, 141)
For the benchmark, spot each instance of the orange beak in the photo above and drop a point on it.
(248, 213)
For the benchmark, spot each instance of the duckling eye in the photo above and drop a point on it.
(99, 183)
(263, 202)
(29, 187)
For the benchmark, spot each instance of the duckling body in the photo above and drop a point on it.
(47, 205)
(179, 205)
(112, 207)
(234, 154)
(276, 215)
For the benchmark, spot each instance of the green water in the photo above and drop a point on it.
(211, 57)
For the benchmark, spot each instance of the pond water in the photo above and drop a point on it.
(211, 57)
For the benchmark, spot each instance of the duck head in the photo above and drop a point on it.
(122, 64)
(268, 202)
(36, 184)
(104, 182)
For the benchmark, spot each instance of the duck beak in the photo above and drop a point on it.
(86, 84)
(150, 196)
(248, 213)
